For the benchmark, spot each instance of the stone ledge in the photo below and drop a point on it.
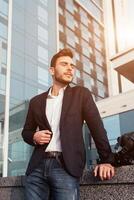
(121, 187)
(14, 181)
(124, 174)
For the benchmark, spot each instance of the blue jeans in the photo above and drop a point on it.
(51, 181)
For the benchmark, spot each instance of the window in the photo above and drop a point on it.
(4, 56)
(97, 28)
(42, 34)
(43, 76)
(98, 43)
(22, 43)
(84, 18)
(17, 91)
(4, 7)
(85, 33)
(87, 65)
(99, 58)
(42, 55)
(77, 76)
(112, 125)
(86, 49)
(18, 65)
(42, 15)
(3, 30)
(2, 82)
(87, 81)
(101, 89)
(70, 37)
(69, 20)
(100, 73)
(70, 5)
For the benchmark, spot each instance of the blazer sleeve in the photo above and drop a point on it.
(92, 117)
(30, 126)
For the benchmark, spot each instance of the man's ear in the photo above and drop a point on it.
(51, 70)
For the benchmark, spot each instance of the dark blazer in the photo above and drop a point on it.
(78, 105)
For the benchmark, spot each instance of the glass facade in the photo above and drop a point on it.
(81, 30)
(33, 25)
(31, 51)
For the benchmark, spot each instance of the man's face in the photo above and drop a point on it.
(63, 71)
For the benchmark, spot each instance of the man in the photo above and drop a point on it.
(54, 126)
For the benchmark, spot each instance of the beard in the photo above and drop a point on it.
(63, 81)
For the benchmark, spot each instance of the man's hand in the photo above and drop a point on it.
(104, 171)
(42, 137)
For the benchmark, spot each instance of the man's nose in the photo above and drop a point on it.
(70, 67)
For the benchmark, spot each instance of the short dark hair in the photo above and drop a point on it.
(63, 52)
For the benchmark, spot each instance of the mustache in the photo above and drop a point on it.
(68, 74)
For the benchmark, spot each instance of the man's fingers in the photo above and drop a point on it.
(44, 142)
(112, 171)
(104, 171)
(108, 174)
(96, 170)
(42, 137)
(45, 136)
(46, 132)
(101, 172)
(45, 139)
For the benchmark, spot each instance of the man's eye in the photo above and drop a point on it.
(73, 66)
(64, 64)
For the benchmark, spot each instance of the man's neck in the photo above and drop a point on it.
(56, 89)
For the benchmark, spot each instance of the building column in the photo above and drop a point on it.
(7, 98)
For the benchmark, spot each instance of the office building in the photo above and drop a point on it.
(81, 28)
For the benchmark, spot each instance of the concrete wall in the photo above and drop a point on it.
(121, 187)
(12, 188)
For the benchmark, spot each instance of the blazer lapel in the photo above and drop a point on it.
(43, 109)
(65, 104)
